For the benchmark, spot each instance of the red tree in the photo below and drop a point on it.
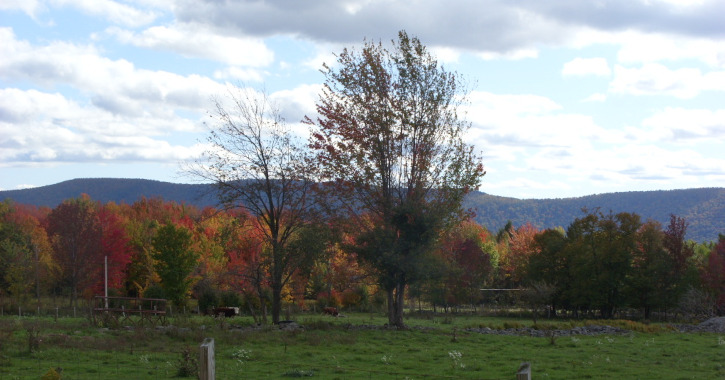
(713, 276)
(472, 257)
(677, 246)
(115, 246)
(75, 231)
(521, 246)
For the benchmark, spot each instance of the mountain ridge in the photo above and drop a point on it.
(703, 208)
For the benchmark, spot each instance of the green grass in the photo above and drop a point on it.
(330, 349)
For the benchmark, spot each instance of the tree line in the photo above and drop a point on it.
(601, 263)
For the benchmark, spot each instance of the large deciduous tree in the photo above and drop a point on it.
(257, 164)
(75, 232)
(389, 138)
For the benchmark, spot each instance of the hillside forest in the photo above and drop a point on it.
(599, 265)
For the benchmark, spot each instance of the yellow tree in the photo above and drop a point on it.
(26, 261)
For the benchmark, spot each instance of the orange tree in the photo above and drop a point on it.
(390, 141)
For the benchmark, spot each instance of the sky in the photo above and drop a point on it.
(566, 97)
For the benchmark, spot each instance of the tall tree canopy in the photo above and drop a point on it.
(389, 138)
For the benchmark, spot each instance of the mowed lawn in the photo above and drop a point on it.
(352, 348)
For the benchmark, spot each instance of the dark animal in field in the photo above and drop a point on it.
(330, 311)
(225, 311)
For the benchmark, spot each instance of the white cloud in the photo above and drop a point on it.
(29, 7)
(512, 55)
(510, 103)
(597, 97)
(637, 47)
(680, 125)
(586, 66)
(113, 11)
(197, 41)
(297, 103)
(114, 85)
(657, 79)
(124, 114)
(530, 188)
(445, 54)
(44, 127)
(238, 73)
(510, 128)
(534, 147)
(324, 54)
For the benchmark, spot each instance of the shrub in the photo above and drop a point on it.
(188, 365)
(331, 299)
(52, 374)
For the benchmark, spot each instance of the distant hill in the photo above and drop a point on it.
(704, 209)
(112, 189)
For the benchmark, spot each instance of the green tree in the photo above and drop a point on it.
(648, 282)
(391, 144)
(175, 261)
(600, 248)
(549, 264)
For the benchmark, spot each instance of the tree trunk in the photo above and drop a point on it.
(399, 305)
(391, 307)
(276, 303)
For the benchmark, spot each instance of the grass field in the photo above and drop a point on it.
(435, 347)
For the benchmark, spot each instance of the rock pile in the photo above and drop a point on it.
(528, 331)
(712, 325)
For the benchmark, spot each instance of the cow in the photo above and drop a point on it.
(330, 311)
(225, 311)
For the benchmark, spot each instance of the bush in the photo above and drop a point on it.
(351, 297)
(154, 291)
(207, 300)
(230, 298)
(188, 365)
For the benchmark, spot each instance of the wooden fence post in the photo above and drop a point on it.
(206, 360)
(524, 372)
